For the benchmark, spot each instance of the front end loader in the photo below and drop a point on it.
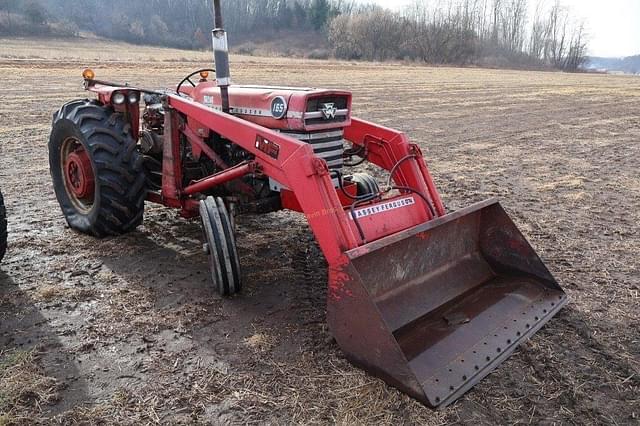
(429, 301)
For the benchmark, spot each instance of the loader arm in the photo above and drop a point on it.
(294, 164)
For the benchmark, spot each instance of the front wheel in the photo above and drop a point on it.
(220, 245)
(96, 169)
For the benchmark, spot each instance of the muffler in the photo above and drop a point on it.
(434, 309)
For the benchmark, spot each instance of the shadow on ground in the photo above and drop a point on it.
(38, 376)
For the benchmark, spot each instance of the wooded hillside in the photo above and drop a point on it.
(484, 32)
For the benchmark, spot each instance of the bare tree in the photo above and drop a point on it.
(577, 53)
(557, 40)
(539, 33)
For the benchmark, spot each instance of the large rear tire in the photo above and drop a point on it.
(96, 169)
(3, 228)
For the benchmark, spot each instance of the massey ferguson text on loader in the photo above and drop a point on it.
(430, 302)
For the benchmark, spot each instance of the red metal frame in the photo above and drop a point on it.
(224, 176)
(297, 167)
(290, 202)
(338, 223)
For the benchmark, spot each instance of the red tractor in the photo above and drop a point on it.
(429, 301)
(3, 228)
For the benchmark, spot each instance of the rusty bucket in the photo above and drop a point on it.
(434, 309)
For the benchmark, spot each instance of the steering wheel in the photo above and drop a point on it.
(188, 78)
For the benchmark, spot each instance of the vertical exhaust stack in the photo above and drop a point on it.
(221, 56)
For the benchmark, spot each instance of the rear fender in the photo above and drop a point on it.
(105, 94)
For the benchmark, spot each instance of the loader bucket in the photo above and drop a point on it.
(434, 309)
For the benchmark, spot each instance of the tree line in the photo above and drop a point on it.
(175, 23)
(486, 32)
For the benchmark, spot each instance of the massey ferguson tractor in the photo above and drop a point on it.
(3, 228)
(427, 300)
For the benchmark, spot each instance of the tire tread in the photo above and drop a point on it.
(118, 166)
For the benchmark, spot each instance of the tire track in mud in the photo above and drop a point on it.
(310, 271)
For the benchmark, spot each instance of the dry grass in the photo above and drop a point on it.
(260, 342)
(25, 389)
(298, 393)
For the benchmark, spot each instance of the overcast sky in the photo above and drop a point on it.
(613, 25)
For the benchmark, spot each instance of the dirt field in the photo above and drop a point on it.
(127, 330)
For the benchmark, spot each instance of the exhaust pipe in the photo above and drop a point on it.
(221, 56)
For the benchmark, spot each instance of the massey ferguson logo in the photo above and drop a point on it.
(329, 111)
(382, 208)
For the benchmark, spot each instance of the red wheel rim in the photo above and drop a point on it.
(79, 174)
(79, 180)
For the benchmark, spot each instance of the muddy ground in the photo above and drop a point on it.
(128, 330)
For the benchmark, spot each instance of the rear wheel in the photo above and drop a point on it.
(220, 246)
(96, 169)
(3, 228)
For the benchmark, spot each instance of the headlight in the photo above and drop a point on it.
(118, 98)
(134, 97)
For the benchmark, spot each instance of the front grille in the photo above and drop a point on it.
(315, 106)
(328, 145)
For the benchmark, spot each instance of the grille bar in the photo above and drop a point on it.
(328, 145)
(306, 137)
(320, 114)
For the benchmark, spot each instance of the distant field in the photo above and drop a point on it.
(127, 329)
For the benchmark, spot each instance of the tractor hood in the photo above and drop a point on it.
(282, 108)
